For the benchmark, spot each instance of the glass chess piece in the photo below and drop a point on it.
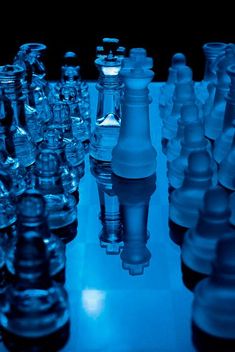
(18, 140)
(215, 118)
(199, 246)
(61, 206)
(110, 90)
(134, 155)
(134, 197)
(188, 113)
(226, 173)
(213, 314)
(167, 90)
(80, 127)
(34, 314)
(185, 202)
(184, 93)
(193, 140)
(54, 141)
(7, 206)
(32, 216)
(224, 141)
(111, 235)
(13, 168)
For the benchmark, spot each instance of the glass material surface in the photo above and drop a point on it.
(112, 311)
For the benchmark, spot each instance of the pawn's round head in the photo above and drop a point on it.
(178, 59)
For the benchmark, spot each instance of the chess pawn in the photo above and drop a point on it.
(111, 235)
(17, 135)
(61, 206)
(80, 129)
(215, 118)
(32, 216)
(199, 246)
(34, 315)
(186, 201)
(61, 119)
(193, 140)
(53, 141)
(224, 142)
(134, 155)
(226, 172)
(183, 94)
(167, 90)
(134, 197)
(188, 114)
(213, 314)
(110, 90)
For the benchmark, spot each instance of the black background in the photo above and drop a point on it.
(79, 26)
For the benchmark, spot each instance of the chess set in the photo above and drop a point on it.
(117, 212)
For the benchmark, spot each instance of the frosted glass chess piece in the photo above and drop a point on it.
(212, 51)
(188, 114)
(226, 171)
(111, 235)
(110, 88)
(183, 94)
(199, 246)
(35, 314)
(193, 140)
(134, 197)
(61, 119)
(215, 118)
(206, 88)
(167, 90)
(224, 141)
(32, 216)
(213, 313)
(61, 206)
(134, 155)
(17, 135)
(186, 201)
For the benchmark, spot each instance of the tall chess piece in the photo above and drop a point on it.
(199, 246)
(110, 88)
(186, 201)
(213, 314)
(134, 155)
(224, 141)
(134, 197)
(34, 315)
(111, 236)
(215, 118)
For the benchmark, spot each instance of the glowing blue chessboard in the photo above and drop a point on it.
(112, 311)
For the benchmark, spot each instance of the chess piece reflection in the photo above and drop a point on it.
(111, 233)
(134, 196)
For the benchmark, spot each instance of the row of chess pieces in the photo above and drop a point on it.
(198, 139)
(45, 132)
